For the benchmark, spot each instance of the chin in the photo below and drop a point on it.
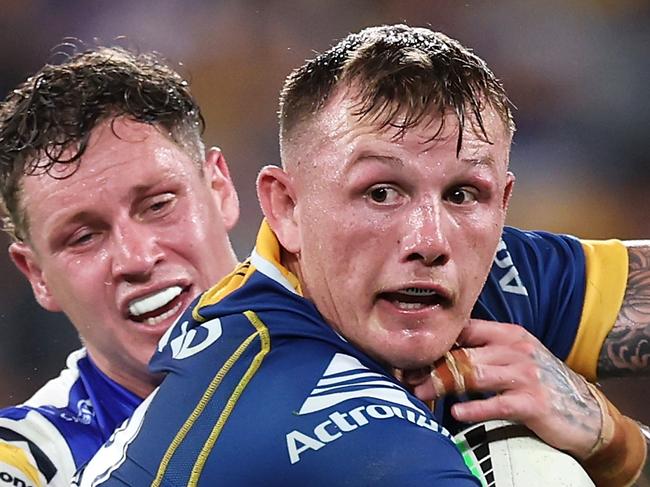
(417, 353)
(410, 359)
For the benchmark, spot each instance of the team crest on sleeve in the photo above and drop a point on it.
(510, 282)
(85, 412)
(355, 397)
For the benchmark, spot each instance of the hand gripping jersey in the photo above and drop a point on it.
(260, 391)
(565, 291)
(44, 440)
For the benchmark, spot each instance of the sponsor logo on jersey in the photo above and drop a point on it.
(7, 479)
(510, 282)
(346, 378)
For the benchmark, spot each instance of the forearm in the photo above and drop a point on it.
(626, 350)
(619, 456)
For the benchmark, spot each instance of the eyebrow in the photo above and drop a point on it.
(487, 161)
(388, 160)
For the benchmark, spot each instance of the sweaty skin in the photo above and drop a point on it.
(410, 226)
(141, 228)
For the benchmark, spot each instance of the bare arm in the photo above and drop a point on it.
(626, 350)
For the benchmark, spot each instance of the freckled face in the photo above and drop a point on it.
(397, 235)
(126, 242)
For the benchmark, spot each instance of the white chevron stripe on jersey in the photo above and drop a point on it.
(347, 378)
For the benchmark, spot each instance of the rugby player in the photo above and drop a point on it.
(386, 216)
(120, 218)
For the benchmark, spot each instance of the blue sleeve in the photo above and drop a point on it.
(538, 281)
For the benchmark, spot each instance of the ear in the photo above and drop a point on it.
(218, 175)
(277, 197)
(507, 193)
(26, 261)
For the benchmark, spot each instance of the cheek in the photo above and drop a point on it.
(82, 272)
(349, 237)
(82, 297)
(193, 230)
(483, 243)
(479, 237)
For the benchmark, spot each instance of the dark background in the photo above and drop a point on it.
(578, 72)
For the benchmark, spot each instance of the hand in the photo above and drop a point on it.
(532, 387)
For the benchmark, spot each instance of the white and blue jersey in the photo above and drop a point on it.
(44, 440)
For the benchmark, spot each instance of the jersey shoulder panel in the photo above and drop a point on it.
(537, 281)
(606, 283)
(64, 423)
(263, 407)
(44, 450)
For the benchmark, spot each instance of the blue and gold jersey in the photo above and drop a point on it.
(261, 391)
(567, 292)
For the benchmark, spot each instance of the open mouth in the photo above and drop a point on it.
(415, 298)
(157, 307)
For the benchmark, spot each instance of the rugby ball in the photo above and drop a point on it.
(505, 454)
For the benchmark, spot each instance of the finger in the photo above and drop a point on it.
(413, 378)
(506, 377)
(459, 371)
(513, 406)
(480, 333)
(424, 390)
(497, 355)
(453, 373)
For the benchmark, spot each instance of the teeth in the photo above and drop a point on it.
(417, 291)
(157, 319)
(409, 306)
(152, 302)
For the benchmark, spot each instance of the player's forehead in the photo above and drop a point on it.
(122, 161)
(339, 126)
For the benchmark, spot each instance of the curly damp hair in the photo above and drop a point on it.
(401, 76)
(48, 119)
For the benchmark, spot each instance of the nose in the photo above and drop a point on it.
(135, 251)
(426, 236)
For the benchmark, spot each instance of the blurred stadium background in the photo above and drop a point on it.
(578, 71)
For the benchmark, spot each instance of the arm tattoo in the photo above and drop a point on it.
(626, 349)
(570, 396)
